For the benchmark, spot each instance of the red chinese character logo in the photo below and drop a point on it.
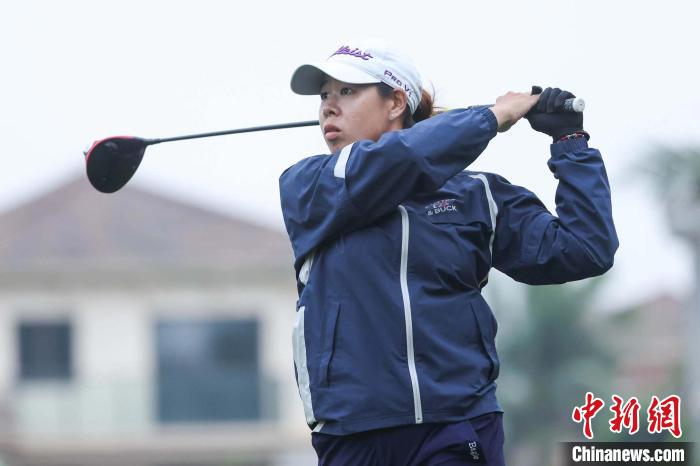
(625, 416)
(587, 412)
(665, 415)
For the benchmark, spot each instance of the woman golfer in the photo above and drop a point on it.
(394, 345)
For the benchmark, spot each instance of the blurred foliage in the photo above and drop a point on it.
(673, 172)
(669, 169)
(549, 362)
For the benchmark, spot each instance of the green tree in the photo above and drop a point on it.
(549, 362)
(673, 172)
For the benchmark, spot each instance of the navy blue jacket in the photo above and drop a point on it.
(393, 241)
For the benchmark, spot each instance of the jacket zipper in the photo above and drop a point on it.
(407, 315)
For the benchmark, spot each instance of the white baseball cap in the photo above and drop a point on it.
(362, 62)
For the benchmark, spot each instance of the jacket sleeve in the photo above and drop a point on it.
(328, 195)
(533, 246)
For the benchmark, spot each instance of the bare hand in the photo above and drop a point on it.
(511, 107)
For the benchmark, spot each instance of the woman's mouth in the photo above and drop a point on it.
(331, 132)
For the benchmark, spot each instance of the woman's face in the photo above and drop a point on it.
(350, 112)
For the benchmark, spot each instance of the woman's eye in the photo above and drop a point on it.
(346, 91)
(324, 95)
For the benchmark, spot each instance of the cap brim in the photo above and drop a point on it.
(308, 79)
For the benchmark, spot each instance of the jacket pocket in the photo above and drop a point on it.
(328, 343)
(488, 327)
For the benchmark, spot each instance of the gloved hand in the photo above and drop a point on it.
(548, 115)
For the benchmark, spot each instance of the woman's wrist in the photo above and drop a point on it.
(503, 117)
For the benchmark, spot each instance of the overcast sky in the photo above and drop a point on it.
(74, 72)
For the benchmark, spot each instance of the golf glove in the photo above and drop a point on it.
(548, 115)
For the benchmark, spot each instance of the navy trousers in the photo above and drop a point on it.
(475, 441)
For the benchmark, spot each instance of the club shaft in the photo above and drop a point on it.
(234, 131)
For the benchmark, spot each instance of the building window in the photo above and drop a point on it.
(208, 370)
(44, 351)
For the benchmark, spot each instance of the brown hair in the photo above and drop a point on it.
(425, 108)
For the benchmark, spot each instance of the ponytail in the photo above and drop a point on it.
(424, 111)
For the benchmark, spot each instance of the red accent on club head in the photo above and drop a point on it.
(111, 162)
(87, 153)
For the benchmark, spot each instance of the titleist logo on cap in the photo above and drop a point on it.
(345, 50)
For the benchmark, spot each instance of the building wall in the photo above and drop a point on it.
(114, 353)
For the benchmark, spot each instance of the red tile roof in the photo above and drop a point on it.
(76, 226)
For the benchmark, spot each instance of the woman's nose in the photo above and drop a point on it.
(329, 108)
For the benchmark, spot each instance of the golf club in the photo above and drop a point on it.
(112, 161)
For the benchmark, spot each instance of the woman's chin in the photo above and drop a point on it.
(336, 145)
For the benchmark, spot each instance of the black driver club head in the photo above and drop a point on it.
(111, 162)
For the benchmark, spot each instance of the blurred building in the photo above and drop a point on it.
(648, 341)
(649, 344)
(141, 331)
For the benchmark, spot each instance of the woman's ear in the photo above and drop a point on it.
(399, 102)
